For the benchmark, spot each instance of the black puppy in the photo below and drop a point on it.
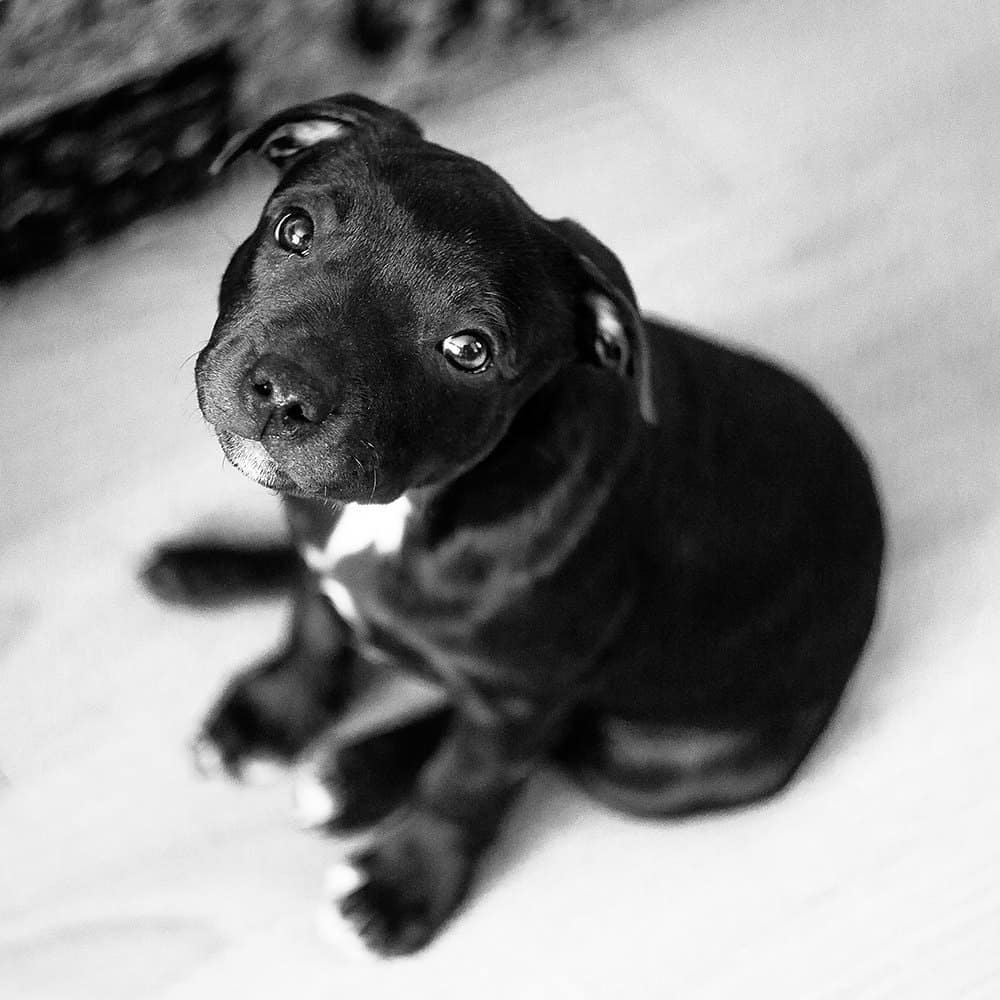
(612, 543)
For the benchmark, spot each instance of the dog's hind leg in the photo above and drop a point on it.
(649, 769)
(218, 573)
(269, 713)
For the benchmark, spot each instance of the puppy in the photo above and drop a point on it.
(607, 541)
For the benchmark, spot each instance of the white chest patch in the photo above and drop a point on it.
(340, 597)
(361, 526)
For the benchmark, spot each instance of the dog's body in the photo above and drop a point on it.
(610, 542)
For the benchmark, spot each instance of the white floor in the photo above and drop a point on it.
(819, 180)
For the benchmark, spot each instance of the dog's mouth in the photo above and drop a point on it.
(253, 460)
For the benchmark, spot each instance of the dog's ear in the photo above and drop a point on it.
(291, 133)
(610, 331)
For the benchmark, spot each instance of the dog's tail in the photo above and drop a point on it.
(213, 573)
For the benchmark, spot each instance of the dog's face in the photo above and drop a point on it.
(395, 306)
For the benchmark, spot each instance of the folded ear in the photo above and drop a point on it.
(610, 331)
(291, 133)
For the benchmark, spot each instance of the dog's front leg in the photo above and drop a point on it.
(270, 712)
(397, 893)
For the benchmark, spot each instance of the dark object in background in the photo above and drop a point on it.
(70, 173)
(378, 27)
(76, 173)
(430, 49)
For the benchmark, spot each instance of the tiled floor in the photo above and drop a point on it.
(817, 180)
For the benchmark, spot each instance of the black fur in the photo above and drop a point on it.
(658, 568)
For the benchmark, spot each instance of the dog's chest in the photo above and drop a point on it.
(366, 537)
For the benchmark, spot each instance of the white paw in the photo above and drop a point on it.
(207, 758)
(342, 879)
(313, 803)
(261, 772)
(339, 882)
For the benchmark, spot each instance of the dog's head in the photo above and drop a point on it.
(395, 306)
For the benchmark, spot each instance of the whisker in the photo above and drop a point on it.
(359, 464)
(193, 354)
(375, 461)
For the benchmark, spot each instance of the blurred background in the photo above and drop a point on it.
(819, 182)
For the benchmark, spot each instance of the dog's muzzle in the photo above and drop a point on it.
(253, 460)
(270, 396)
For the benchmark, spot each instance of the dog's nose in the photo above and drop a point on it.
(283, 397)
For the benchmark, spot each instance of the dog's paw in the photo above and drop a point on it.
(393, 897)
(344, 786)
(316, 803)
(259, 769)
(217, 574)
(261, 723)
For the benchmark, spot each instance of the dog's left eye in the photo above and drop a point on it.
(294, 232)
(467, 352)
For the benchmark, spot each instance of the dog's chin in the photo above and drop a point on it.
(253, 460)
(258, 464)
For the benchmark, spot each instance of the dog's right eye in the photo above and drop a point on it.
(294, 232)
(468, 352)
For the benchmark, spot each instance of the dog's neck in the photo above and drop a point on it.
(548, 477)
